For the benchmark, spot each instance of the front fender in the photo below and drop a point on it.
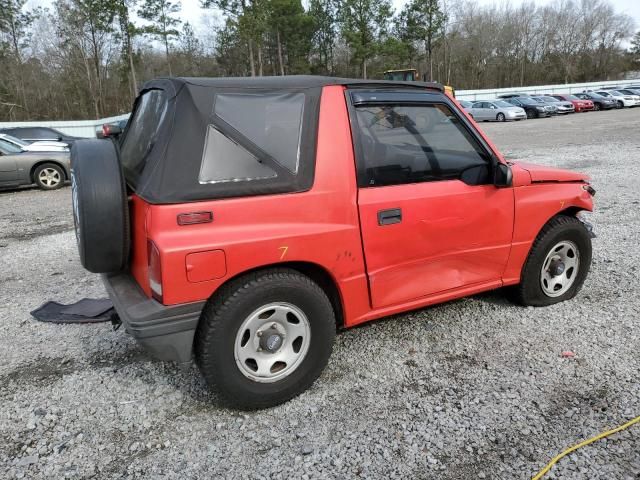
(535, 205)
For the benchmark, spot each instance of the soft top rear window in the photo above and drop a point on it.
(142, 132)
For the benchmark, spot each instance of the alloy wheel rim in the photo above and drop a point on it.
(272, 342)
(560, 268)
(49, 177)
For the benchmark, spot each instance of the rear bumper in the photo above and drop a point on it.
(165, 331)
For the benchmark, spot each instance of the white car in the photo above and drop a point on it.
(622, 99)
(39, 146)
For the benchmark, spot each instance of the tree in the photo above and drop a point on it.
(324, 14)
(163, 24)
(85, 28)
(364, 24)
(14, 35)
(292, 28)
(424, 21)
(128, 32)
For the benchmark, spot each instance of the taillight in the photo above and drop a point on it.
(155, 270)
(106, 131)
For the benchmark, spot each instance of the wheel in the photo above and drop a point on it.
(500, 117)
(265, 338)
(596, 107)
(100, 208)
(49, 176)
(530, 114)
(557, 264)
(620, 104)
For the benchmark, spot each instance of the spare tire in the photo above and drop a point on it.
(100, 208)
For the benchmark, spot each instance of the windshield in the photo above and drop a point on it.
(14, 140)
(594, 95)
(550, 99)
(9, 147)
(527, 101)
(502, 103)
(538, 99)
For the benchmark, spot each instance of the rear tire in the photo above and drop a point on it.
(557, 264)
(228, 346)
(49, 176)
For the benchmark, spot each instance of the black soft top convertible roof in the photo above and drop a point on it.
(169, 171)
(282, 82)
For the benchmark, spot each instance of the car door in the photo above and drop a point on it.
(482, 110)
(8, 164)
(431, 220)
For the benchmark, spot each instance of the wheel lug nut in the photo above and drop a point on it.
(274, 325)
(259, 334)
(259, 349)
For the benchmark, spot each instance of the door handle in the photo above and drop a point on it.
(389, 217)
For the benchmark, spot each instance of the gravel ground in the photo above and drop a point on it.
(475, 388)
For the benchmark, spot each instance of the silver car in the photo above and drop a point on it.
(496, 111)
(48, 170)
(562, 105)
(39, 146)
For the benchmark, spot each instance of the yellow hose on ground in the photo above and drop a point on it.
(582, 444)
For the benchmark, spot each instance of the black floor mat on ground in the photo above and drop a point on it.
(87, 310)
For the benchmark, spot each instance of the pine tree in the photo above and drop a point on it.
(163, 24)
(363, 26)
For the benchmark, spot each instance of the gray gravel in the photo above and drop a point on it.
(475, 388)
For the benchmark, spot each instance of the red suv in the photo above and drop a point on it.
(242, 220)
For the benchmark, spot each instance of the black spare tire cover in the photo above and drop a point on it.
(100, 209)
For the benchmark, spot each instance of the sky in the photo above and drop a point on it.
(191, 8)
(192, 12)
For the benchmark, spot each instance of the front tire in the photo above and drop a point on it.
(500, 117)
(265, 338)
(557, 264)
(49, 176)
(620, 104)
(596, 107)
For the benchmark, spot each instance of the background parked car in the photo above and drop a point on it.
(496, 111)
(630, 93)
(621, 99)
(579, 104)
(532, 108)
(48, 170)
(35, 146)
(34, 134)
(562, 105)
(550, 106)
(112, 130)
(599, 102)
(512, 95)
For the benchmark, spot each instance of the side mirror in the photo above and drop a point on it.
(502, 175)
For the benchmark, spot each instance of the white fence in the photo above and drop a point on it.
(78, 128)
(562, 88)
(87, 128)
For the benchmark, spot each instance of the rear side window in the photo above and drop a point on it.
(142, 133)
(270, 121)
(417, 143)
(226, 161)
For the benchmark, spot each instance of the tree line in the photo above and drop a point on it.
(87, 58)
